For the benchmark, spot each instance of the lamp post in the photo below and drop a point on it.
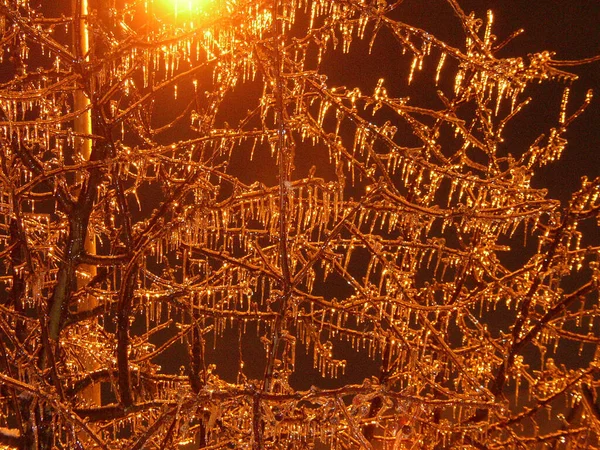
(83, 149)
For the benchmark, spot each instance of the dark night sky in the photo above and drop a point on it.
(570, 28)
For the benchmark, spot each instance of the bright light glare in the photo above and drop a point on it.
(188, 8)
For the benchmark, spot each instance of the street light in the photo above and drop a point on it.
(185, 9)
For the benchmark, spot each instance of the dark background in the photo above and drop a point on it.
(568, 28)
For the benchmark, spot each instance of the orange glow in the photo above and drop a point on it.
(187, 8)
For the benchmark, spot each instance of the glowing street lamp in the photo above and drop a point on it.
(186, 8)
